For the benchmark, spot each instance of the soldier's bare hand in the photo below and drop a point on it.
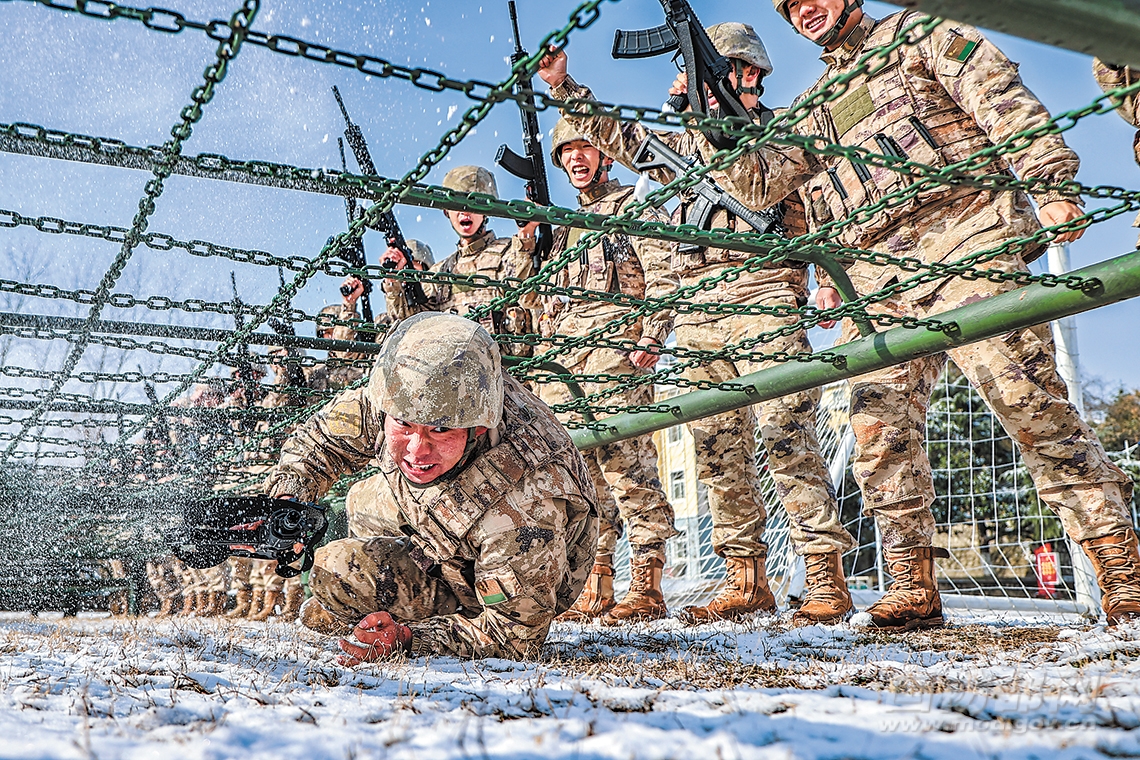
(646, 357)
(528, 230)
(552, 68)
(352, 289)
(827, 298)
(680, 85)
(1059, 212)
(375, 637)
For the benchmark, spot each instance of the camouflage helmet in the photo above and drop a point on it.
(471, 179)
(564, 134)
(740, 41)
(421, 252)
(439, 370)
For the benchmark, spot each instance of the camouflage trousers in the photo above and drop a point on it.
(1016, 375)
(265, 577)
(626, 471)
(354, 577)
(203, 581)
(726, 445)
(241, 569)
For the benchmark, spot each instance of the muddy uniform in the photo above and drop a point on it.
(1112, 78)
(628, 468)
(937, 102)
(476, 565)
(725, 449)
(491, 259)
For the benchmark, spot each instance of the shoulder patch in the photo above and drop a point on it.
(491, 591)
(344, 421)
(960, 49)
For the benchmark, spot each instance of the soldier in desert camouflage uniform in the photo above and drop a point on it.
(725, 449)
(1111, 77)
(937, 101)
(483, 526)
(481, 253)
(628, 468)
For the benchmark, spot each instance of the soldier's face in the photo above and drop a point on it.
(581, 161)
(813, 18)
(424, 453)
(465, 223)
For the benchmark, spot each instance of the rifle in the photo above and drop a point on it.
(161, 423)
(250, 526)
(704, 66)
(701, 200)
(386, 225)
(244, 364)
(532, 167)
(282, 324)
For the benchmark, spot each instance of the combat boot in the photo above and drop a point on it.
(316, 618)
(644, 600)
(597, 597)
(242, 600)
(1117, 564)
(912, 601)
(826, 598)
(165, 607)
(256, 602)
(294, 596)
(210, 604)
(747, 591)
(189, 599)
(269, 602)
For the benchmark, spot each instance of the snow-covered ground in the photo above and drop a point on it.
(992, 685)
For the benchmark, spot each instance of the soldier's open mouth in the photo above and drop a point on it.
(815, 23)
(580, 171)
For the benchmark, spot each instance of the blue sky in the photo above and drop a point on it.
(116, 79)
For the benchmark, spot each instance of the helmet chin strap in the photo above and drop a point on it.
(756, 90)
(831, 36)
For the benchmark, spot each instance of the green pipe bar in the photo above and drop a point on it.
(1112, 281)
(1105, 28)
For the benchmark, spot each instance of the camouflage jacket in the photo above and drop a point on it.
(620, 140)
(934, 102)
(1112, 78)
(618, 264)
(341, 374)
(491, 259)
(514, 534)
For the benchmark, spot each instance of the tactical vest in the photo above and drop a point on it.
(484, 257)
(597, 268)
(531, 440)
(880, 111)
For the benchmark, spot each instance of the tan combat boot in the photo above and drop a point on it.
(189, 598)
(912, 601)
(644, 600)
(271, 600)
(165, 607)
(242, 600)
(316, 618)
(210, 604)
(294, 596)
(1117, 564)
(597, 597)
(826, 598)
(747, 591)
(256, 602)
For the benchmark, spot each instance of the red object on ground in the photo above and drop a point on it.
(1045, 560)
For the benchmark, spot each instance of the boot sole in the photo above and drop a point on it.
(911, 625)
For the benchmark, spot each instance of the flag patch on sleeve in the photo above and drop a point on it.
(960, 49)
(491, 591)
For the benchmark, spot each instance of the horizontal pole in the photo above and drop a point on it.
(1109, 29)
(1110, 281)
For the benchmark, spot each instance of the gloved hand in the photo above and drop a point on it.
(376, 637)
